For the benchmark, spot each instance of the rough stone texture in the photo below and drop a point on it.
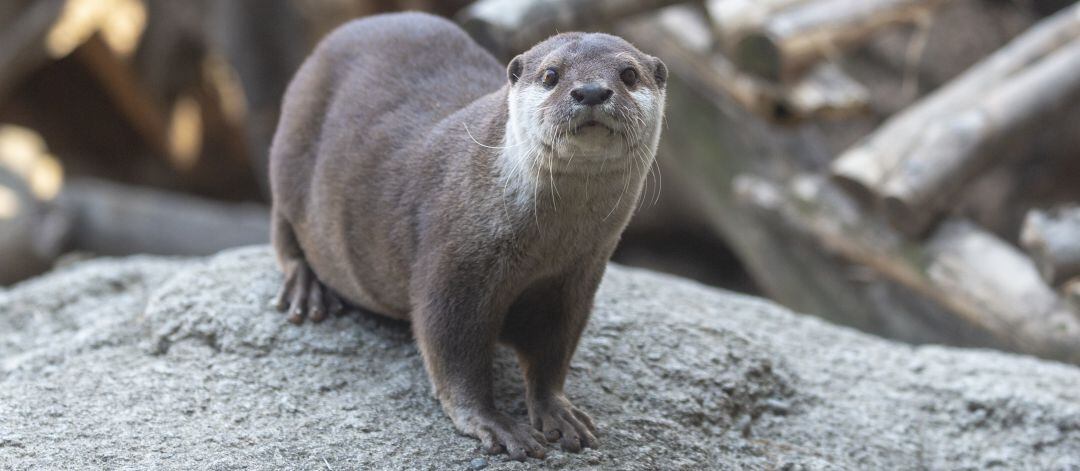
(150, 363)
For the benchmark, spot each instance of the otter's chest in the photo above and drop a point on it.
(549, 244)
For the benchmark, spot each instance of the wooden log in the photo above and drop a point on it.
(979, 279)
(111, 219)
(956, 148)
(995, 285)
(787, 44)
(681, 36)
(1052, 239)
(508, 27)
(734, 19)
(22, 39)
(863, 169)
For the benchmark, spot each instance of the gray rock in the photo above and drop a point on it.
(151, 363)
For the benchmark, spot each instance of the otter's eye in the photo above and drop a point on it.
(551, 77)
(629, 76)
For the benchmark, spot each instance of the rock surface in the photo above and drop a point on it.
(151, 363)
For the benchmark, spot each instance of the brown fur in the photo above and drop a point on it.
(392, 192)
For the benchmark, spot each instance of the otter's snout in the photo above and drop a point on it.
(592, 94)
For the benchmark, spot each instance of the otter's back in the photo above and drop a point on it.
(357, 110)
(378, 83)
(410, 69)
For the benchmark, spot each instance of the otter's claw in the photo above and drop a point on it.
(499, 434)
(304, 296)
(560, 421)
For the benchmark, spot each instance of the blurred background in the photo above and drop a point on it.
(910, 168)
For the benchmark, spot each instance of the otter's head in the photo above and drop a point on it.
(586, 95)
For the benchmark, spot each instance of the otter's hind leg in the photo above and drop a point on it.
(302, 295)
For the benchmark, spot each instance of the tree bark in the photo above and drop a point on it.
(863, 169)
(1052, 239)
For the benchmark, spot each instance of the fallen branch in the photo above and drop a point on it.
(957, 147)
(863, 169)
(789, 43)
(508, 27)
(1052, 239)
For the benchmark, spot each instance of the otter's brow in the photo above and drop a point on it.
(552, 63)
(630, 60)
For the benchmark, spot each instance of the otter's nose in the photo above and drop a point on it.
(591, 94)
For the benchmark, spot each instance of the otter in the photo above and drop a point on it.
(415, 177)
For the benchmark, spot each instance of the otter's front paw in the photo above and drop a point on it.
(560, 421)
(499, 433)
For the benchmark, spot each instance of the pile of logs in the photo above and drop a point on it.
(181, 95)
(885, 228)
(919, 160)
(882, 230)
(177, 99)
(152, 107)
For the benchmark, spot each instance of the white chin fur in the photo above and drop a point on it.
(591, 142)
(526, 150)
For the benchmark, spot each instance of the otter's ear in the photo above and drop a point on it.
(659, 72)
(513, 71)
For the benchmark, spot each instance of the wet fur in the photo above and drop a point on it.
(416, 177)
